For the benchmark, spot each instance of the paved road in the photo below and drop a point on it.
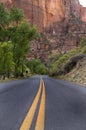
(57, 104)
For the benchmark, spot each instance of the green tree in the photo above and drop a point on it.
(20, 33)
(4, 22)
(16, 15)
(2, 34)
(21, 38)
(6, 59)
(4, 16)
(37, 66)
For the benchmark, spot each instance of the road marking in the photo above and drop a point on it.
(41, 114)
(28, 120)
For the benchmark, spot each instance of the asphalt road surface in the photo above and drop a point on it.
(42, 103)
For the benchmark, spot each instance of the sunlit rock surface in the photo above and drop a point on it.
(46, 12)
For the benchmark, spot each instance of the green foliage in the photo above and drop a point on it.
(41, 69)
(6, 58)
(2, 34)
(33, 33)
(21, 38)
(37, 67)
(20, 34)
(83, 50)
(52, 58)
(4, 16)
(32, 64)
(57, 66)
(83, 45)
(16, 15)
(74, 52)
(83, 42)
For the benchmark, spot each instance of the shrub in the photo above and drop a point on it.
(83, 42)
(37, 66)
(74, 52)
(57, 67)
(83, 50)
(41, 69)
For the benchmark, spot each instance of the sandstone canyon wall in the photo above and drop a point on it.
(42, 13)
(83, 13)
(59, 19)
(46, 12)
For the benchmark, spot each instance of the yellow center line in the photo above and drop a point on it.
(28, 120)
(41, 114)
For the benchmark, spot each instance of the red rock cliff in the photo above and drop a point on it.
(83, 13)
(42, 13)
(62, 20)
(46, 12)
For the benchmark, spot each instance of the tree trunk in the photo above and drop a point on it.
(8, 73)
(16, 73)
(22, 74)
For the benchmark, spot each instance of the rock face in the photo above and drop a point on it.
(42, 13)
(61, 20)
(78, 74)
(46, 12)
(83, 13)
(72, 8)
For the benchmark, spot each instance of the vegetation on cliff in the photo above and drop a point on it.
(61, 64)
(15, 37)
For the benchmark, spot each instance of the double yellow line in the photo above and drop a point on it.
(41, 114)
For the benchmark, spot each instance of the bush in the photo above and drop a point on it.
(41, 69)
(74, 52)
(83, 42)
(37, 66)
(83, 50)
(57, 67)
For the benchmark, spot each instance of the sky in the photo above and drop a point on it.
(83, 2)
